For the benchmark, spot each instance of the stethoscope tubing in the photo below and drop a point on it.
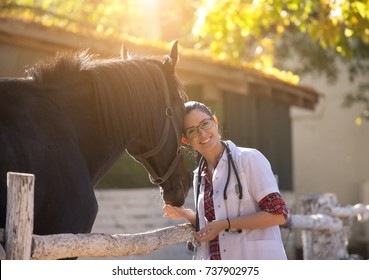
(231, 165)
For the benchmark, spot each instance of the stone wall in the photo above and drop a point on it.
(133, 211)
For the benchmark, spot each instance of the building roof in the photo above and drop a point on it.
(214, 75)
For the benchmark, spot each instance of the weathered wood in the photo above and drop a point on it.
(360, 211)
(317, 222)
(101, 245)
(2, 253)
(19, 218)
(323, 245)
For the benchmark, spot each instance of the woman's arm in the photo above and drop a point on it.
(260, 219)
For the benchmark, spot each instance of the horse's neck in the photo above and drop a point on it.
(96, 148)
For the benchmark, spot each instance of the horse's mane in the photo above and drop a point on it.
(126, 90)
(62, 65)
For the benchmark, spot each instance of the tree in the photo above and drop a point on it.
(265, 32)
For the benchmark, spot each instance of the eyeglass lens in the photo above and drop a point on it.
(205, 124)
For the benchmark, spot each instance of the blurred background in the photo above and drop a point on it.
(290, 78)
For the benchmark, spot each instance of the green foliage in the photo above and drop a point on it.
(229, 25)
(266, 32)
(126, 173)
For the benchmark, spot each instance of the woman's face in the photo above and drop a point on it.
(207, 136)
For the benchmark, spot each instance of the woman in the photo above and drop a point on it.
(238, 203)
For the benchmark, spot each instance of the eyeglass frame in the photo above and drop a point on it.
(198, 127)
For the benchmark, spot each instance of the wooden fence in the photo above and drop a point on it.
(325, 230)
(326, 226)
(20, 243)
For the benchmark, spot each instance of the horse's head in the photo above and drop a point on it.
(161, 154)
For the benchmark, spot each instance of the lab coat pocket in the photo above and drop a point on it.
(264, 250)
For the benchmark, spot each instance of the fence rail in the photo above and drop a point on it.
(20, 243)
(326, 226)
(325, 230)
(59, 246)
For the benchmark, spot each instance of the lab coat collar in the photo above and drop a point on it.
(223, 160)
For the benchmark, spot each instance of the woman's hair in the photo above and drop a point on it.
(192, 105)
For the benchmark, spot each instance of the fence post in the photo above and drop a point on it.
(322, 245)
(19, 217)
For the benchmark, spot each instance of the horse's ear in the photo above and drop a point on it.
(171, 59)
(123, 51)
(174, 53)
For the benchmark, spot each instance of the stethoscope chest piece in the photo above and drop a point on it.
(237, 189)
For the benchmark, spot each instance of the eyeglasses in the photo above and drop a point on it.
(193, 131)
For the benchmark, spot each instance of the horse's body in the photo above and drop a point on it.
(73, 117)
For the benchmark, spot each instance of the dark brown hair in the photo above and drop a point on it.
(192, 105)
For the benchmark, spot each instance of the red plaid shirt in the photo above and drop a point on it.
(214, 249)
(271, 203)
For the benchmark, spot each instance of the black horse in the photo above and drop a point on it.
(71, 119)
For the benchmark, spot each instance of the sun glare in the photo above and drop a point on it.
(149, 11)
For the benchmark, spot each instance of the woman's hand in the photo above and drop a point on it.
(257, 220)
(211, 230)
(179, 213)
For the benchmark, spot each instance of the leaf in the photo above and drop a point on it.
(361, 8)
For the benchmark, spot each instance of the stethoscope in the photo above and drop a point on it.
(238, 186)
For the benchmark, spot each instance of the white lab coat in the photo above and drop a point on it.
(257, 181)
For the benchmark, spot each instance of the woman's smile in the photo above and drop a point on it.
(207, 140)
